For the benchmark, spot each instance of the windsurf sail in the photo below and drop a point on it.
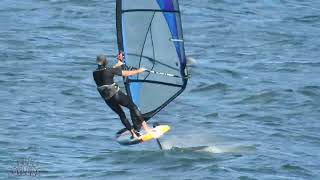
(149, 32)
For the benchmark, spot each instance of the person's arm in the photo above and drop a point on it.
(132, 72)
(125, 73)
(119, 63)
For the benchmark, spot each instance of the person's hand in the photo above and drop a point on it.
(120, 57)
(142, 69)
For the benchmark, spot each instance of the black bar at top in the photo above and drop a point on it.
(151, 10)
(155, 82)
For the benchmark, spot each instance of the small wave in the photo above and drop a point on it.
(205, 87)
(298, 64)
(289, 70)
(292, 167)
(71, 91)
(306, 19)
(212, 115)
(59, 27)
(244, 116)
(311, 91)
(99, 157)
(264, 97)
(232, 73)
(295, 168)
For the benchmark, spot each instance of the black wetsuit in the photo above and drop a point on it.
(104, 76)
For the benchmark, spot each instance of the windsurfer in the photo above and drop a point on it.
(112, 94)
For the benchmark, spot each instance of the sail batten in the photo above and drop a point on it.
(150, 10)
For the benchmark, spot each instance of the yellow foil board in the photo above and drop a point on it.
(160, 130)
(124, 137)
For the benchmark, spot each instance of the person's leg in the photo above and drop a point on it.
(113, 104)
(117, 109)
(125, 101)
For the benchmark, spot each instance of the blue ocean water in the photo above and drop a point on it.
(251, 109)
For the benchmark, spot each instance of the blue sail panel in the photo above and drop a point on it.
(150, 34)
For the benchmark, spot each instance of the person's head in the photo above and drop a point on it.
(102, 60)
(120, 55)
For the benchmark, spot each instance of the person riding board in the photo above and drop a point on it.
(113, 96)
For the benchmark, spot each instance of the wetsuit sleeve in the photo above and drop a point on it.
(117, 71)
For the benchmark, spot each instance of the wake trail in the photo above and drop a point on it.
(206, 144)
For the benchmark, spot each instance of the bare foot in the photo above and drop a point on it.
(146, 127)
(134, 135)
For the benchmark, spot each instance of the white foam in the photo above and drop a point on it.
(207, 144)
(191, 61)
